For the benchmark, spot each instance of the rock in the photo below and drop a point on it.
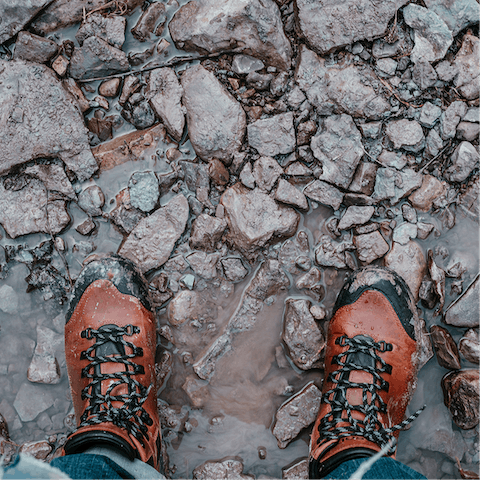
(8, 299)
(165, 95)
(445, 348)
(340, 88)
(324, 193)
(409, 262)
(429, 114)
(464, 311)
(424, 230)
(246, 176)
(424, 75)
(268, 281)
(339, 148)
(207, 231)
(72, 87)
(111, 29)
(387, 66)
(229, 468)
(404, 233)
(204, 264)
(31, 400)
(272, 136)
(468, 131)
(330, 253)
(39, 450)
(355, 216)
(245, 64)
(97, 58)
(364, 178)
(197, 393)
(466, 66)
(259, 81)
(394, 185)
(457, 15)
(299, 412)
(150, 243)
(301, 335)
(295, 98)
(91, 200)
(383, 49)
(234, 269)
(110, 88)
(218, 172)
(396, 160)
(288, 194)
(469, 346)
(252, 26)
(451, 118)
(433, 144)
(266, 171)
(60, 65)
(143, 190)
(53, 177)
(409, 213)
(216, 121)
(44, 367)
(326, 25)
(16, 14)
(32, 48)
(422, 198)
(432, 35)
(406, 134)
(54, 127)
(299, 471)
(86, 228)
(255, 219)
(154, 14)
(305, 131)
(370, 246)
(461, 395)
(183, 307)
(29, 210)
(310, 279)
(464, 160)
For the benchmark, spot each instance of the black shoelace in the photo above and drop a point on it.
(370, 427)
(130, 415)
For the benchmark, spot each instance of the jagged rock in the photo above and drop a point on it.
(424, 75)
(424, 230)
(72, 87)
(266, 171)
(53, 177)
(86, 227)
(144, 191)
(404, 233)
(339, 148)
(464, 160)
(32, 48)
(165, 95)
(91, 200)
(245, 64)
(457, 15)
(274, 135)
(255, 219)
(299, 471)
(386, 66)
(153, 15)
(396, 160)
(40, 119)
(409, 213)
(287, 193)
(429, 114)
(150, 243)
(229, 468)
(406, 134)
(218, 172)
(324, 193)
(183, 307)
(469, 346)
(111, 29)
(464, 311)
(268, 281)
(39, 450)
(445, 348)
(297, 413)
(409, 262)
(246, 176)
(432, 35)
(433, 144)
(252, 26)
(44, 367)
(423, 197)
(339, 88)
(355, 216)
(301, 335)
(467, 66)
(461, 395)
(330, 253)
(370, 246)
(451, 118)
(31, 400)
(468, 131)
(207, 232)
(234, 269)
(364, 178)
(216, 121)
(326, 25)
(203, 264)
(394, 185)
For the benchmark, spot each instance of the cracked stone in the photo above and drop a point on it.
(370, 246)
(464, 160)
(111, 29)
(288, 194)
(266, 171)
(324, 193)
(406, 134)
(355, 216)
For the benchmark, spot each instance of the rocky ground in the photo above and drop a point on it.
(246, 155)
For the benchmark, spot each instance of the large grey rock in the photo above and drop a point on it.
(432, 35)
(216, 121)
(324, 193)
(340, 88)
(464, 160)
(464, 311)
(394, 185)
(165, 94)
(467, 68)
(273, 135)
(406, 134)
(33, 48)
(97, 58)
(31, 400)
(40, 119)
(229, 468)
(144, 190)
(212, 26)
(355, 216)
(266, 171)
(457, 14)
(326, 25)
(339, 148)
(370, 246)
(151, 242)
(207, 232)
(111, 29)
(451, 118)
(15, 14)
(255, 219)
(287, 193)
(44, 367)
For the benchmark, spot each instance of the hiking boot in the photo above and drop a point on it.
(110, 341)
(371, 364)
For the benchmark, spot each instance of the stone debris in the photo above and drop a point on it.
(31, 400)
(144, 191)
(216, 121)
(266, 171)
(393, 185)
(330, 253)
(464, 159)
(429, 114)
(445, 348)
(245, 64)
(203, 264)
(299, 471)
(457, 15)
(437, 274)
(431, 189)
(234, 269)
(370, 246)
(363, 181)
(253, 27)
(303, 338)
(39, 450)
(91, 200)
(355, 216)
(469, 346)
(32, 48)
(151, 242)
(150, 22)
(290, 195)
(464, 311)
(111, 29)
(183, 308)
(272, 136)
(406, 134)
(207, 231)
(297, 413)
(229, 468)
(324, 193)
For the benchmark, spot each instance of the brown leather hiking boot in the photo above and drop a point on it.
(371, 364)
(110, 341)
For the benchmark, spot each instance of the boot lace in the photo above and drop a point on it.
(131, 415)
(370, 427)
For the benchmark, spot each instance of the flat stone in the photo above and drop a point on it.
(266, 171)
(432, 35)
(355, 216)
(304, 340)
(388, 66)
(288, 194)
(299, 412)
(324, 193)
(457, 15)
(345, 88)
(394, 185)
(364, 178)
(252, 26)
(216, 121)
(326, 25)
(431, 188)
(204, 264)
(32, 48)
(234, 269)
(183, 307)
(91, 200)
(464, 160)
(8, 299)
(272, 136)
(406, 134)
(409, 262)
(150, 22)
(207, 231)
(424, 75)
(370, 246)
(44, 367)
(245, 64)
(54, 127)
(433, 144)
(468, 131)
(151, 242)
(165, 94)
(429, 114)
(255, 219)
(229, 468)
(246, 176)
(464, 311)
(469, 346)
(445, 348)
(404, 233)
(451, 118)
(31, 400)
(111, 29)
(144, 191)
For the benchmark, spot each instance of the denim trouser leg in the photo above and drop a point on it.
(84, 465)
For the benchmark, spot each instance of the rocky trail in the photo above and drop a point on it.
(246, 155)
